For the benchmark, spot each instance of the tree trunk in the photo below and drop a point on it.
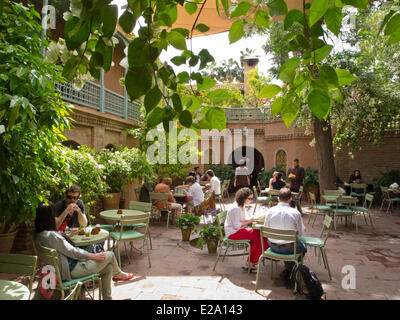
(324, 150)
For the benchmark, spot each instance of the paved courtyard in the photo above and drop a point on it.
(180, 271)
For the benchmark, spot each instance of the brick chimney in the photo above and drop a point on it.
(248, 64)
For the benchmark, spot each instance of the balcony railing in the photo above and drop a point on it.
(246, 114)
(90, 96)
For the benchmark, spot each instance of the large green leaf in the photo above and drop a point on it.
(192, 103)
(261, 18)
(70, 68)
(155, 117)
(393, 25)
(360, 4)
(333, 19)
(202, 27)
(207, 84)
(269, 91)
(127, 21)
(183, 77)
(106, 52)
(344, 77)
(276, 106)
(317, 10)
(291, 17)
(328, 75)
(289, 111)
(225, 4)
(138, 52)
(138, 82)
(319, 103)
(110, 18)
(287, 71)
(219, 95)
(152, 99)
(177, 40)
(191, 8)
(205, 57)
(236, 31)
(185, 118)
(176, 101)
(241, 9)
(178, 60)
(277, 7)
(216, 117)
(75, 33)
(321, 53)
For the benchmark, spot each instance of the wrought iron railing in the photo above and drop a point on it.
(90, 96)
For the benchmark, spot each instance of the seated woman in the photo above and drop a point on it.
(356, 178)
(278, 184)
(273, 179)
(75, 262)
(165, 187)
(236, 226)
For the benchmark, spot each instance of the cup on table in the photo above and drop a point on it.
(88, 230)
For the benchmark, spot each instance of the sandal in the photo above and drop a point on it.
(129, 277)
(252, 270)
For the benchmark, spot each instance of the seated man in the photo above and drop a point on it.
(70, 212)
(194, 194)
(215, 183)
(165, 187)
(284, 217)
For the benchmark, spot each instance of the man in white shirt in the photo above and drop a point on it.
(284, 217)
(195, 194)
(215, 183)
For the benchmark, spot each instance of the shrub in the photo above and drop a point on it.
(186, 221)
(385, 180)
(224, 172)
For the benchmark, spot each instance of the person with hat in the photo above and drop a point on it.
(242, 176)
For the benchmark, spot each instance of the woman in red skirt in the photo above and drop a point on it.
(236, 226)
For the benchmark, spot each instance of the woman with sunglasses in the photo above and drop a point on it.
(236, 227)
(70, 212)
(73, 261)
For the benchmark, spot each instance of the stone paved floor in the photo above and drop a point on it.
(180, 271)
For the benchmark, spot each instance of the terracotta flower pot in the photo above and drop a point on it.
(113, 202)
(7, 241)
(186, 234)
(212, 245)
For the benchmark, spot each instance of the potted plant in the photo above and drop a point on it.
(311, 182)
(187, 223)
(210, 233)
(116, 170)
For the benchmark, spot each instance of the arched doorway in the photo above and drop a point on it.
(258, 163)
(71, 144)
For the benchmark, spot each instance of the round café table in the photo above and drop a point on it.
(82, 241)
(11, 290)
(111, 216)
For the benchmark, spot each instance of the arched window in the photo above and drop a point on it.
(281, 159)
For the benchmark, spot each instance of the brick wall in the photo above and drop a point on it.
(370, 160)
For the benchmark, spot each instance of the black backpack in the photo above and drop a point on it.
(311, 281)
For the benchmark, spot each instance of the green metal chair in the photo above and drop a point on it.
(341, 211)
(297, 196)
(277, 234)
(386, 197)
(221, 217)
(273, 197)
(259, 199)
(320, 242)
(21, 264)
(359, 186)
(317, 209)
(145, 207)
(75, 293)
(160, 196)
(49, 256)
(226, 191)
(131, 235)
(365, 210)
